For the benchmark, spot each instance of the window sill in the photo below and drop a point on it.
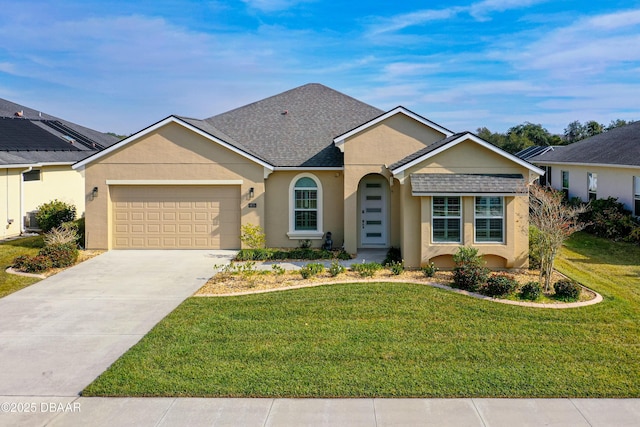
(305, 235)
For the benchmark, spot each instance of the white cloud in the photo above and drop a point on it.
(273, 5)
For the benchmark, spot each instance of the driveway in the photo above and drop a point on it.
(58, 335)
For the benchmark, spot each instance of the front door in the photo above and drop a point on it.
(373, 216)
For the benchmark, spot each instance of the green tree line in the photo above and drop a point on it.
(528, 134)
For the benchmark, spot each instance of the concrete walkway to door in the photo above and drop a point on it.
(59, 334)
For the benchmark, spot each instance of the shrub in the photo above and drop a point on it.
(304, 244)
(60, 255)
(32, 264)
(53, 214)
(469, 272)
(534, 247)
(253, 236)
(277, 270)
(634, 236)
(254, 255)
(366, 269)
(66, 233)
(500, 284)
(531, 291)
(430, 270)
(343, 255)
(311, 270)
(608, 218)
(336, 268)
(396, 267)
(567, 290)
(393, 255)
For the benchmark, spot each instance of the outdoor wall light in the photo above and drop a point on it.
(94, 193)
(251, 193)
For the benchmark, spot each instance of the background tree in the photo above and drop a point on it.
(555, 222)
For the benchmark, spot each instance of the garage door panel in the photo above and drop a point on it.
(197, 217)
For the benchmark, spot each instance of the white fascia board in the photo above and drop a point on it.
(339, 140)
(310, 168)
(174, 182)
(35, 165)
(477, 140)
(451, 193)
(599, 165)
(152, 128)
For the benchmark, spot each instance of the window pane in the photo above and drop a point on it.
(438, 206)
(453, 206)
(446, 230)
(306, 220)
(489, 230)
(593, 182)
(306, 183)
(565, 179)
(306, 199)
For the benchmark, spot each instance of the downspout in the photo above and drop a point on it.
(22, 228)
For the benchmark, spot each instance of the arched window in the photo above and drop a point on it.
(305, 207)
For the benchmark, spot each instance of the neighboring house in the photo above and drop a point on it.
(303, 163)
(36, 154)
(602, 166)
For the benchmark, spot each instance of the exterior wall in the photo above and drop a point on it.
(466, 157)
(612, 182)
(56, 182)
(369, 152)
(10, 202)
(513, 253)
(277, 208)
(169, 153)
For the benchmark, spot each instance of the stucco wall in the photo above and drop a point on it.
(278, 209)
(466, 157)
(369, 152)
(10, 202)
(612, 182)
(169, 153)
(56, 182)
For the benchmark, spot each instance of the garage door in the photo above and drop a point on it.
(176, 217)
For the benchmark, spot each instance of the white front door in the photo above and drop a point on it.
(373, 216)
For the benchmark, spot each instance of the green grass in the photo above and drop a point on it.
(10, 283)
(385, 339)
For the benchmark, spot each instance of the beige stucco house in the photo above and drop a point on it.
(303, 163)
(602, 166)
(36, 154)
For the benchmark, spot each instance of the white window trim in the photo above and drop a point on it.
(459, 217)
(636, 194)
(294, 234)
(476, 217)
(590, 176)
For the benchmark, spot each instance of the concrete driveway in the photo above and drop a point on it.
(58, 335)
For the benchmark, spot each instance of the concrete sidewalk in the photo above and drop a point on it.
(193, 412)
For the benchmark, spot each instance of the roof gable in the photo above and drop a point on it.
(186, 123)
(453, 140)
(619, 147)
(340, 140)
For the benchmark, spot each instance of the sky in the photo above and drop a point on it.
(120, 66)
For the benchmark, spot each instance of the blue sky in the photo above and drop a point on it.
(122, 65)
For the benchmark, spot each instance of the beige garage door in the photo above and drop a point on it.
(176, 217)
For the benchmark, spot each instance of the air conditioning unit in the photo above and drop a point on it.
(30, 222)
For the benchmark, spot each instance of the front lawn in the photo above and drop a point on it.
(390, 339)
(10, 283)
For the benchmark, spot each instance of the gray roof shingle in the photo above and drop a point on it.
(456, 183)
(296, 127)
(619, 146)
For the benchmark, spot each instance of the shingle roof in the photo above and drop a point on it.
(296, 127)
(8, 158)
(619, 146)
(455, 183)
